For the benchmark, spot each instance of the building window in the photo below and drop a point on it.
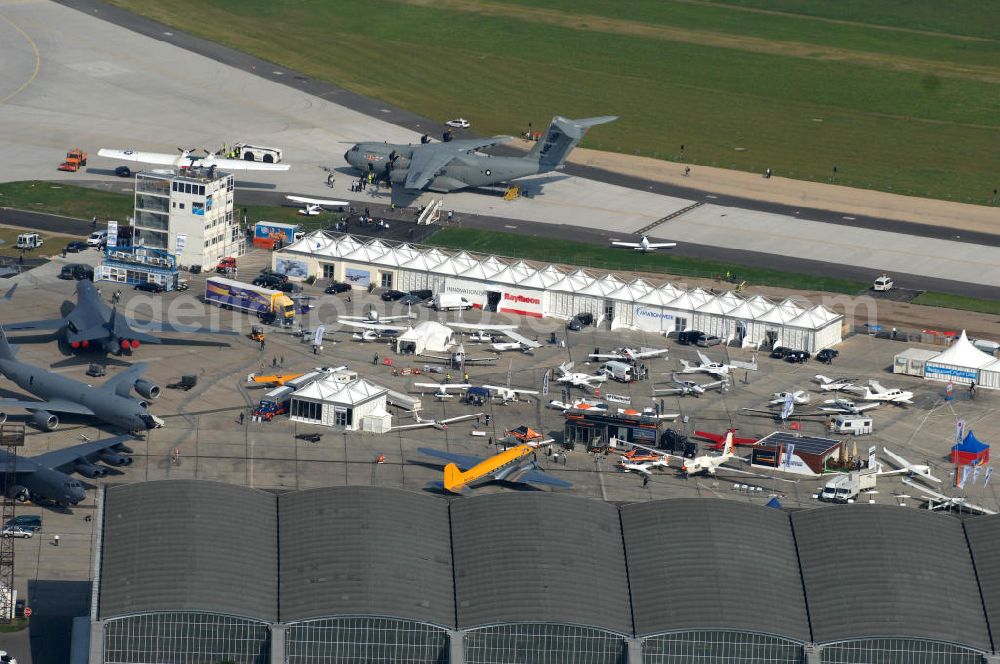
(386, 279)
(543, 644)
(329, 270)
(180, 205)
(198, 208)
(720, 647)
(201, 190)
(364, 639)
(343, 417)
(185, 638)
(680, 323)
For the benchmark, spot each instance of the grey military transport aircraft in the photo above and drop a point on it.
(453, 165)
(47, 476)
(111, 403)
(93, 325)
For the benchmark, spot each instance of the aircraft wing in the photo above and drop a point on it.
(444, 386)
(141, 157)
(475, 327)
(241, 165)
(50, 324)
(662, 245)
(703, 358)
(473, 144)
(877, 386)
(668, 390)
(65, 458)
(463, 461)
(316, 201)
(898, 459)
(485, 359)
(538, 477)
(373, 326)
(630, 245)
(56, 405)
(520, 338)
(123, 382)
(426, 161)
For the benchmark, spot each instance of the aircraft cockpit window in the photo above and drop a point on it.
(355, 148)
(74, 485)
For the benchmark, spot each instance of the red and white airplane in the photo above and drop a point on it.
(720, 439)
(703, 464)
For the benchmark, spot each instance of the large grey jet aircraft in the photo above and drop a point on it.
(111, 403)
(47, 476)
(93, 325)
(453, 165)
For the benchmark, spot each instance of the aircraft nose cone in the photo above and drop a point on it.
(347, 156)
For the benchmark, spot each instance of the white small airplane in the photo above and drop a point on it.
(585, 404)
(441, 389)
(374, 331)
(833, 384)
(459, 357)
(629, 354)
(907, 468)
(441, 425)
(799, 397)
(578, 379)
(644, 245)
(686, 387)
(717, 369)
(209, 160)
(937, 500)
(371, 316)
(847, 406)
(480, 337)
(874, 391)
(506, 393)
(481, 332)
(626, 464)
(314, 206)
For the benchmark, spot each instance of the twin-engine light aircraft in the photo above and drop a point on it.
(458, 164)
(874, 391)
(566, 375)
(690, 387)
(630, 354)
(517, 465)
(188, 159)
(644, 245)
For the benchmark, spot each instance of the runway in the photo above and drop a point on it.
(74, 79)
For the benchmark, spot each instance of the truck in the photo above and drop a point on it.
(275, 402)
(249, 152)
(75, 158)
(273, 234)
(29, 241)
(447, 301)
(845, 488)
(883, 283)
(269, 305)
(619, 371)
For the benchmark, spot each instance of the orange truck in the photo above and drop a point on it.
(75, 158)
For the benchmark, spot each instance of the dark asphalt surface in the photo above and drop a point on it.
(409, 120)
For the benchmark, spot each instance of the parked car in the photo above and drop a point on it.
(97, 238)
(78, 271)
(411, 299)
(707, 340)
(32, 522)
(392, 295)
(458, 123)
(337, 287)
(76, 246)
(826, 355)
(423, 294)
(779, 352)
(15, 531)
(580, 321)
(150, 287)
(797, 356)
(123, 172)
(183, 284)
(268, 281)
(688, 337)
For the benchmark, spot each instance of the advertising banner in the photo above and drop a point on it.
(112, 233)
(356, 277)
(523, 302)
(473, 291)
(652, 319)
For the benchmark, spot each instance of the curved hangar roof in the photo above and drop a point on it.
(644, 568)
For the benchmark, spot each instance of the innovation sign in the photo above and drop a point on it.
(652, 319)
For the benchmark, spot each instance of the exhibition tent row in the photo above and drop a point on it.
(962, 363)
(519, 287)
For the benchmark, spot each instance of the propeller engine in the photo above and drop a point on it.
(43, 419)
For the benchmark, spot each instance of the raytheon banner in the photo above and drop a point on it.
(524, 302)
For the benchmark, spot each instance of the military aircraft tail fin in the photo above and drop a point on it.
(7, 350)
(563, 135)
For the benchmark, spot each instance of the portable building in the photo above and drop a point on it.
(911, 361)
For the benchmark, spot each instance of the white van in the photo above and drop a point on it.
(450, 301)
(97, 238)
(29, 241)
(623, 373)
(883, 283)
(987, 346)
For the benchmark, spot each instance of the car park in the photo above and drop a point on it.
(337, 287)
(77, 271)
(16, 531)
(150, 287)
(580, 321)
(826, 355)
(458, 123)
(797, 356)
(706, 340)
(76, 246)
(392, 295)
(779, 352)
(688, 337)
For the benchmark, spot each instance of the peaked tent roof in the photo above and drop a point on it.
(661, 296)
(814, 318)
(550, 274)
(971, 444)
(962, 353)
(329, 388)
(631, 291)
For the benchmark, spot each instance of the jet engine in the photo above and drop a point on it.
(114, 459)
(3, 417)
(147, 389)
(19, 493)
(90, 470)
(43, 419)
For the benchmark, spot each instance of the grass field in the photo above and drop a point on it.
(948, 301)
(902, 95)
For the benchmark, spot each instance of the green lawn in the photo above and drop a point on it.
(796, 86)
(932, 299)
(598, 257)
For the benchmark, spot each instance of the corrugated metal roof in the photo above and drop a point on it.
(708, 563)
(983, 533)
(539, 557)
(189, 545)
(365, 550)
(882, 570)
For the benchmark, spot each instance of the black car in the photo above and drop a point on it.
(826, 355)
(77, 271)
(411, 299)
(580, 321)
(689, 337)
(123, 172)
(423, 294)
(268, 281)
(392, 295)
(76, 246)
(797, 356)
(150, 287)
(337, 287)
(779, 352)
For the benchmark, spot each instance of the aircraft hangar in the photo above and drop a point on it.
(517, 287)
(191, 571)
